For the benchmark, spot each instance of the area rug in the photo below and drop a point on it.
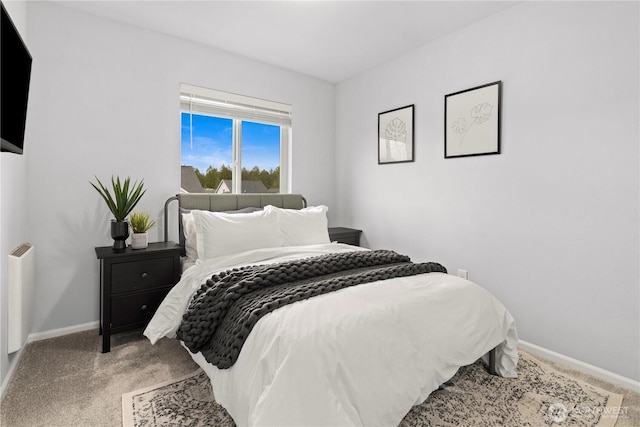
(540, 396)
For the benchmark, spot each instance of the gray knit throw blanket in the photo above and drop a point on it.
(225, 308)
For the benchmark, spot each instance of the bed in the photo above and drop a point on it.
(357, 343)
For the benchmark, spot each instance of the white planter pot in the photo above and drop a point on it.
(139, 240)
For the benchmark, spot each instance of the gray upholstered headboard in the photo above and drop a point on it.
(230, 202)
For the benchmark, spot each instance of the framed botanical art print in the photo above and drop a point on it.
(395, 135)
(472, 121)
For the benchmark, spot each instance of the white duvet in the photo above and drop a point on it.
(360, 356)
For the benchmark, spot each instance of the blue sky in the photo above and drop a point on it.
(212, 143)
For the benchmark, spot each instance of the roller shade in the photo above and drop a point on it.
(199, 100)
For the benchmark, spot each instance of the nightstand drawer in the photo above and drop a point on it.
(132, 309)
(351, 240)
(350, 236)
(132, 276)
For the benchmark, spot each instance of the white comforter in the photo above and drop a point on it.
(360, 356)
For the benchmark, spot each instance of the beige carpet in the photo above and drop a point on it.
(540, 396)
(68, 382)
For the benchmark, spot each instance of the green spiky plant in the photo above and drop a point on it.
(140, 222)
(125, 196)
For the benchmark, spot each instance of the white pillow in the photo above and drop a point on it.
(219, 233)
(190, 238)
(307, 226)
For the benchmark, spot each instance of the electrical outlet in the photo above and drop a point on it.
(463, 273)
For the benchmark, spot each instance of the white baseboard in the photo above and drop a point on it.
(603, 374)
(38, 336)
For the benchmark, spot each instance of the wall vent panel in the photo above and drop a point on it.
(21, 272)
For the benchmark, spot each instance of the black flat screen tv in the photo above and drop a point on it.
(15, 73)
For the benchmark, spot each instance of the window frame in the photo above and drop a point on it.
(239, 108)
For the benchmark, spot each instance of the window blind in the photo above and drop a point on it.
(199, 100)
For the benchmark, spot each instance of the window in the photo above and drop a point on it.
(225, 136)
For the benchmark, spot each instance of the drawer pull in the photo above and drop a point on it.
(144, 307)
(144, 275)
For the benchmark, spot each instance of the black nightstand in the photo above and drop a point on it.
(350, 236)
(133, 283)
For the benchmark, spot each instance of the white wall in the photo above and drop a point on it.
(13, 203)
(105, 101)
(550, 226)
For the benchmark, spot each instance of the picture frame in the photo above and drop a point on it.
(395, 135)
(472, 121)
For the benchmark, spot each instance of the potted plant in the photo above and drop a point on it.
(124, 198)
(140, 224)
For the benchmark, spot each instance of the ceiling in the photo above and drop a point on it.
(330, 40)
